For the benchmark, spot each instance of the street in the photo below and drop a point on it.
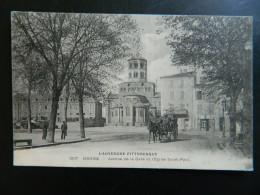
(192, 150)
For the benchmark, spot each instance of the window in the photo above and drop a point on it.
(36, 99)
(116, 113)
(58, 113)
(135, 74)
(136, 64)
(184, 70)
(171, 95)
(182, 95)
(182, 106)
(171, 83)
(49, 99)
(130, 75)
(142, 65)
(131, 66)
(46, 107)
(199, 109)
(58, 106)
(198, 95)
(181, 83)
(77, 114)
(127, 110)
(112, 114)
(142, 75)
(61, 99)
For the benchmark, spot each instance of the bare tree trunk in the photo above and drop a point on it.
(81, 116)
(66, 103)
(233, 118)
(29, 111)
(52, 122)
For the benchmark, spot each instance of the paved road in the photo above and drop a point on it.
(192, 150)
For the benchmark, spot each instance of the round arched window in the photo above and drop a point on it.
(136, 64)
(142, 65)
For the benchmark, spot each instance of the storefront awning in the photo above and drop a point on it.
(180, 113)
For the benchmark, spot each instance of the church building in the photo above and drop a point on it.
(137, 100)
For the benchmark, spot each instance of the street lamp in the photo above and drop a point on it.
(223, 107)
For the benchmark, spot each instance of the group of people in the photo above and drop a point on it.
(45, 126)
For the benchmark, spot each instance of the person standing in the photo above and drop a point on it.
(63, 130)
(44, 130)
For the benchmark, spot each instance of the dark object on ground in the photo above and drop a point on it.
(221, 146)
(94, 122)
(35, 124)
(28, 141)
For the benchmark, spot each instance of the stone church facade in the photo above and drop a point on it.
(137, 100)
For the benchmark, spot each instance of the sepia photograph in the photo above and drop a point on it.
(132, 91)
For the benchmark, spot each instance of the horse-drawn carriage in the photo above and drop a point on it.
(164, 128)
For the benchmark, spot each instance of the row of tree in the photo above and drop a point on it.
(64, 53)
(222, 48)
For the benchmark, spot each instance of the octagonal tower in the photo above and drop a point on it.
(137, 70)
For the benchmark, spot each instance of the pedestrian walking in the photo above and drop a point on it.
(44, 130)
(63, 130)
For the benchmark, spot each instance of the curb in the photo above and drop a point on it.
(51, 144)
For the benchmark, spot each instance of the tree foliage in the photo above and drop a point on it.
(114, 37)
(220, 47)
(65, 41)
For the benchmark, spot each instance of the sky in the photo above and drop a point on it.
(154, 50)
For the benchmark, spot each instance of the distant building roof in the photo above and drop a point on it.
(133, 94)
(184, 74)
(137, 83)
(137, 58)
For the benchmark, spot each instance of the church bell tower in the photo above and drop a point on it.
(137, 70)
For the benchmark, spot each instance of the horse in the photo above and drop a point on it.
(162, 130)
(152, 130)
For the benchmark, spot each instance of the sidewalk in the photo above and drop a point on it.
(215, 139)
(36, 136)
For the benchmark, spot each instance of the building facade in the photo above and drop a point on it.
(41, 108)
(183, 93)
(136, 101)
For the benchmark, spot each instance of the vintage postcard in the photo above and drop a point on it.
(132, 91)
